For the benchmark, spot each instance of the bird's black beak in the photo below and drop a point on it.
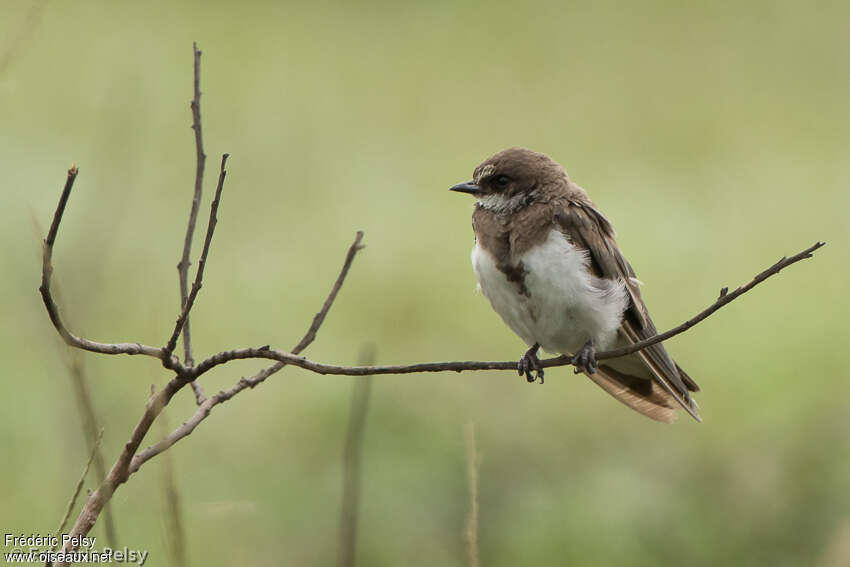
(468, 187)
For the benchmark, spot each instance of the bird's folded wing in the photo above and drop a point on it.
(587, 228)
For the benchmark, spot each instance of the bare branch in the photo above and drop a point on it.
(460, 366)
(183, 265)
(199, 276)
(53, 310)
(319, 318)
(244, 383)
(188, 426)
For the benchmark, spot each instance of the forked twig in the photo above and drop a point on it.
(199, 276)
(207, 406)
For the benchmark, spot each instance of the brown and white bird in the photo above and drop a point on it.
(547, 260)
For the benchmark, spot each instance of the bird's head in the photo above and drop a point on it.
(511, 177)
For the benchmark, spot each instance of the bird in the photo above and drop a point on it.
(547, 260)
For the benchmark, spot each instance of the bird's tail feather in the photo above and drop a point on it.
(643, 396)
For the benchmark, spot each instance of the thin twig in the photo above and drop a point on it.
(319, 318)
(183, 265)
(352, 451)
(472, 462)
(206, 407)
(199, 276)
(78, 489)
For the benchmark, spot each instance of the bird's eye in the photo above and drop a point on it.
(502, 181)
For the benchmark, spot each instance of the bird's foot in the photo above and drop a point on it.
(529, 365)
(585, 359)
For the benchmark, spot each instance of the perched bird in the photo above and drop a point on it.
(547, 260)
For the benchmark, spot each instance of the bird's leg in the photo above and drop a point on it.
(529, 364)
(585, 359)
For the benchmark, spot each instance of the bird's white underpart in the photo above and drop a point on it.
(564, 304)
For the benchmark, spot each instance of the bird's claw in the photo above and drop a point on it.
(529, 365)
(585, 359)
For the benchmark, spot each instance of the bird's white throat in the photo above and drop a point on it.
(498, 203)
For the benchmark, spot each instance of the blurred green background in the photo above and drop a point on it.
(716, 137)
